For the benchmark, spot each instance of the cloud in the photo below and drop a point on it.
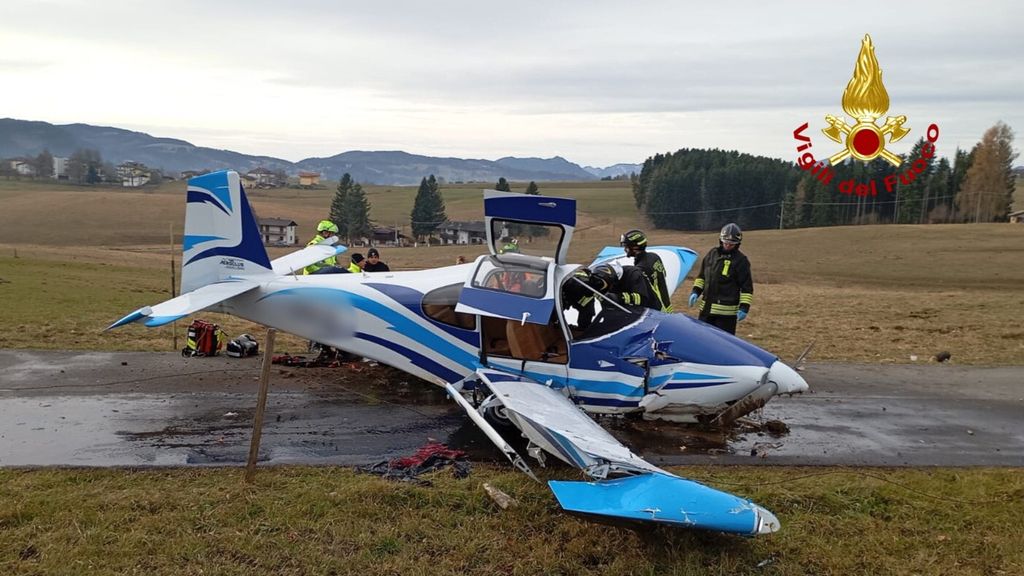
(601, 78)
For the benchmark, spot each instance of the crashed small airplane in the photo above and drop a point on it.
(494, 333)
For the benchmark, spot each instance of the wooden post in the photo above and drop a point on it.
(174, 325)
(261, 406)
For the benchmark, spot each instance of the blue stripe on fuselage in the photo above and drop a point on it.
(415, 357)
(400, 324)
(412, 300)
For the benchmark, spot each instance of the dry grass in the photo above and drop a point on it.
(875, 294)
(864, 293)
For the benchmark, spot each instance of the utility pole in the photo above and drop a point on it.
(782, 210)
(896, 214)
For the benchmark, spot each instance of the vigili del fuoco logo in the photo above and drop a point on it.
(865, 100)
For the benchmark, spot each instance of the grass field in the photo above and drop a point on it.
(862, 293)
(332, 521)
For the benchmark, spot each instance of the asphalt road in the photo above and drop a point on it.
(143, 409)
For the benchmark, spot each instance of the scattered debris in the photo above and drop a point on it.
(430, 457)
(124, 363)
(765, 562)
(798, 364)
(776, 427)
(913, 357)
(499, 497)
(230, 414)
(761, 449)
(970, 432)
(942, 356)
(328, 358)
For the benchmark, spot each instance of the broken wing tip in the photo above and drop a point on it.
(128, 319)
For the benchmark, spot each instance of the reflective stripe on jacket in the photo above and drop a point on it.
(329, 261)
(654, 270)
(724, 283)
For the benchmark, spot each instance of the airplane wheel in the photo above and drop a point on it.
(497, 416)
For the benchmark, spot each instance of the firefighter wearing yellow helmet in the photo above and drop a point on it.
(324, 230)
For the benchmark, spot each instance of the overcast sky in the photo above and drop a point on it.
(595, 82)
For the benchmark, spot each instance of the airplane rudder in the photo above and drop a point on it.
(222, 238)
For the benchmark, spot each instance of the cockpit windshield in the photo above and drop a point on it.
(510, 277)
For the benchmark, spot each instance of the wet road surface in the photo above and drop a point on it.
(139, 409)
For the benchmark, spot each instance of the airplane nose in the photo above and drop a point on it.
(787, 379)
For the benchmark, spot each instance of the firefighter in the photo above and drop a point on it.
(627, 285)
(324, 230)
(576, 294)
(724, 286)
(508, 245)
(635, 244)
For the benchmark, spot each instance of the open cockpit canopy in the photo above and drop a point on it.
(529, 224)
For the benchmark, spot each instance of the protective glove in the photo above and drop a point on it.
(741, 315)
(693, 299)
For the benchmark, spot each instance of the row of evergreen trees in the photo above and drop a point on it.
(350, 209)
(702, 189)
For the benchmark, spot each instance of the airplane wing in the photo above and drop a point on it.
(625, 486)
(188, 303)
(677, 261)
(294, 263)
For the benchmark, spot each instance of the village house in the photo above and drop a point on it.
(1017, 217)
(22, 166)
(278, 231)
(248, 182)
(472, 232)
(264, 178)
(133, 174)
(186, 174)
(382, 236)
(309, 179)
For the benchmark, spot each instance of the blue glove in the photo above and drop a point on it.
(693, 299)
(740, 316)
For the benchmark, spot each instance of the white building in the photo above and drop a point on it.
(60, 167)
(278, 231)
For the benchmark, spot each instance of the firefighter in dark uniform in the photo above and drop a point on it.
(724, 286)
(635, 244)
(627, 285)
(578, 293)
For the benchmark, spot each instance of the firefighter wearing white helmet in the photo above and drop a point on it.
(626, 284)
(324, 230)
(724, 287)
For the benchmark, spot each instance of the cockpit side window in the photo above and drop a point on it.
(439, 304)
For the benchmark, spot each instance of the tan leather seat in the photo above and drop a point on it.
(530, 341)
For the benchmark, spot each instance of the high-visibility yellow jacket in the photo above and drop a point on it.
(330, 261)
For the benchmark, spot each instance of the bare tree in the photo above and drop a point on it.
(987, 190)
(43, 164)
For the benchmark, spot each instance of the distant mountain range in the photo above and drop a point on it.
(115, 145)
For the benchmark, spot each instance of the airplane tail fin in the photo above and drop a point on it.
(222, 239)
